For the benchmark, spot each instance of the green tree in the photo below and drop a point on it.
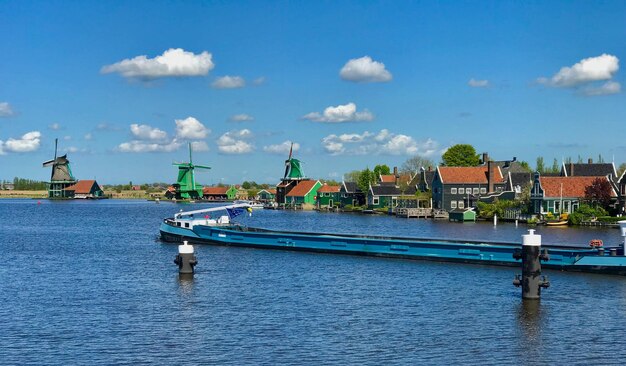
(246, 185)
(365, 178)
(525, 166)
(381, 169)
(461, 155)
(352, 176)
(540, 167)
(413, 164)
(555, 166)
(621, 169)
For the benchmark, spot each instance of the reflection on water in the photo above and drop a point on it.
(185, 281)
(530, 320)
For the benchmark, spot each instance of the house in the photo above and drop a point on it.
(305, 193)
(590, 169)
(560, 194)
(462, 187)
(383, 196)
(242, 193)
(267, 195)
(351, 194)
(219, 193)
(328, 196)
(84, 189)
(423, 181)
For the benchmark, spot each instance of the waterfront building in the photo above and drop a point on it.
(61, 176)
(219, 193)
(293, 177)
(84, 189)
(590, 169)
(621, 190)
(185, 187)
(560, 194)
(328, 196)
(267, 195)
(351, 194)
(304, 193)
(383, 196)
(462, 187)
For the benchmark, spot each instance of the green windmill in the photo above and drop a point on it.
(185, 186)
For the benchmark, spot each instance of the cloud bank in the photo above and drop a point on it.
(241, 118)
(151, 139)
(339, 114)
(381, 143)
(235, 142)
(585, 75)
(365, 70)
(175, 62)
(282, 148)
(6, 110)
(28, 142)
(229, 82)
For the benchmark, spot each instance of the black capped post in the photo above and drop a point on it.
(185, 259)
(531, 257)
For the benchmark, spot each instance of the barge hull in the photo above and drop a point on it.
(561, 258)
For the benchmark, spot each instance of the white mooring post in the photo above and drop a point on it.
(185, 259)
(622, 227)
(495, 220)
(531, 257)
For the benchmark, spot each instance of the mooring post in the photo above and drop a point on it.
(185, 259)
(622, 227)
(531, 257)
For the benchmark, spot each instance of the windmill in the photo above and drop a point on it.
(293, 169)
(61, 176)
(185, 186)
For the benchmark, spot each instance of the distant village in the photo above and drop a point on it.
(464, 185)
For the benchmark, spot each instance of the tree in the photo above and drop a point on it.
(365, 178)
(413, 164)
(540, 167)
(555, 166)
(599, 192)
(246, 185)
(460, 155)
(525, 166)
(381, 170)
(352, 176)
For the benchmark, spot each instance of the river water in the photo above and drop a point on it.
(89, 283)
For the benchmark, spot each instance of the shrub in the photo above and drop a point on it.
(584, 213)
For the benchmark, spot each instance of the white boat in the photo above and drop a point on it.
(252, 204)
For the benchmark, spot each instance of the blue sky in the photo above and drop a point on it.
(126, 85)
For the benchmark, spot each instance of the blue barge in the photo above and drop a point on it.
(221, 231)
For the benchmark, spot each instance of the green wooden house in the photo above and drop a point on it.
(351, 194)
(328, 196)
(304, 193)
(219, 193)
(383, 196)
(267, 195)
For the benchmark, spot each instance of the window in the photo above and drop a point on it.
(453, 204)
(327, 194)
(557, 206)
(375, 200)
(453, 190)
(475, 191)
(483, 190)
(461, 204)
(461, 190)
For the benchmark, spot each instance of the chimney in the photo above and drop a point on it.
(485, 158)
(490, 176)
(571, 170)
(430, 168)
(590, 161)
(395, 174)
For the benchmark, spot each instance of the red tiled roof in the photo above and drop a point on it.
(468, 174)
(81, 187)
(572, 186)
(215, 190)
(271, 190)
(302, 188)
(327, 188)
(388, 178)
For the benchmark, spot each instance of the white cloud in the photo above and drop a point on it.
(229, 82)
(6, 110)
(28, 142)
(55, 126)
(175, 62)
(478, 83)
(340, 113)
(199, 146)
(67, 138)
(233, 142)
(383, 142)
(259, 81)
(191, 128)
(241, 118)
(281, 149)
(587, 70)
(145, 132)
(138, 146)
(88, 136)
(610, 87)
(365, 70)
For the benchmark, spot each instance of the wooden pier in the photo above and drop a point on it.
(408, 212)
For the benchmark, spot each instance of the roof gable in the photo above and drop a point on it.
(568, 186)
(328, 189)
(589, 170)
(467, 174)
(81, 187)
(303, 188)
(215, 190)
